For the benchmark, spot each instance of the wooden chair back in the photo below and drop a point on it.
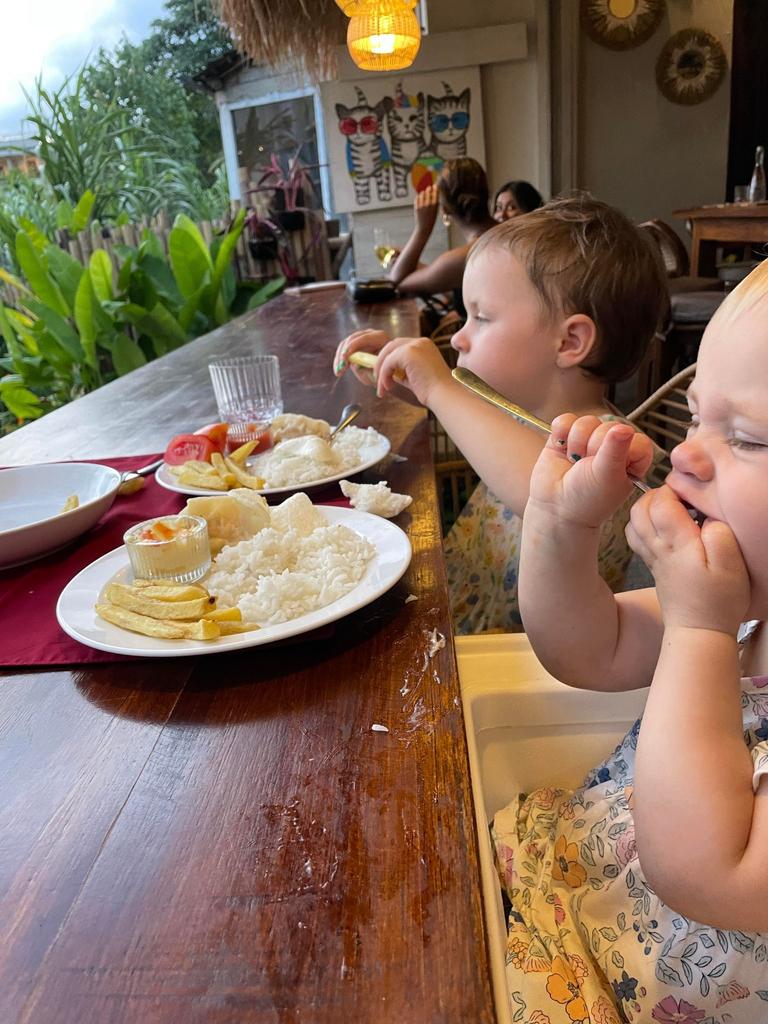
(664, 417)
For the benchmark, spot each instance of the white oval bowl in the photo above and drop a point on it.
(31, 498)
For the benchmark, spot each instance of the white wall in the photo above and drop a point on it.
(515, 93)
(637, 150)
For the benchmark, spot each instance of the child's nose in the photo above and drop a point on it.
(459, 340)
(690, 456)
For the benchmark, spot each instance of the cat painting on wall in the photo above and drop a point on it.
(405, 124)
(448, 121)
(367, 154)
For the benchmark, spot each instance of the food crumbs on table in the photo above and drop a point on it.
(436, 642)
(411, 597)
(379, 728)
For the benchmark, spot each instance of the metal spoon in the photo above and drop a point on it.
(477, 384)
(348, 414)
(134, 474)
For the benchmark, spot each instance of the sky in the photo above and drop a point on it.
(55, 37)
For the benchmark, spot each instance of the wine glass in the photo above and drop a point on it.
(383, 247)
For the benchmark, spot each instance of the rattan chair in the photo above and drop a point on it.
(664, 417)
(693, 302)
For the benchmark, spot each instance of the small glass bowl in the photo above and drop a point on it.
(183, 557)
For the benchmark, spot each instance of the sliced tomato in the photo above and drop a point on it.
(217, 433)
(184, 447)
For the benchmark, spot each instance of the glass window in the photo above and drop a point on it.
(282, 128)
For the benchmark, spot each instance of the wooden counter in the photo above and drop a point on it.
(224, 839)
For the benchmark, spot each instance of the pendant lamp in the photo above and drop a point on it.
(383, 35)
(351, 7)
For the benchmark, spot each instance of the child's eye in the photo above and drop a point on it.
(746, 446)
(690, 424)
(480, 319)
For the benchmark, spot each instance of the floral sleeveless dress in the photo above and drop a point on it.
(588, 939)
(482, 556)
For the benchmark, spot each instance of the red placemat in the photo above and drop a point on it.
(30, 633)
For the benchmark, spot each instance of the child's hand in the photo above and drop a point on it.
(366, 340)
(415, 363)
(701, 579)
(583, 473)
(425, 207)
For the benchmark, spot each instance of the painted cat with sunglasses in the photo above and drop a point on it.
(448, 120)
(367, 153)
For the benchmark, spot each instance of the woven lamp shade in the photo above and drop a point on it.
(351, 7)
(383, 35)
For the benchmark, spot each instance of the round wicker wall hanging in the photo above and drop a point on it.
(691, 66)
(621, 24)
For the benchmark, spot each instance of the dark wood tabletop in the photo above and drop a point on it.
(712, 226)
(225, 839)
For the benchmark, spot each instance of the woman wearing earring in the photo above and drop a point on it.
(461, 194)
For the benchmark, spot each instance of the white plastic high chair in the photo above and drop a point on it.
(525, 730)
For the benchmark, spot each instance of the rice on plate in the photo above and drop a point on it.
(301, 460)
(297, 564)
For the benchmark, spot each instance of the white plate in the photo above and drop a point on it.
(77, 616)
(167, 480)
(32, 497)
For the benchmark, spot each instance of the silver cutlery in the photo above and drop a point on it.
(477, 384)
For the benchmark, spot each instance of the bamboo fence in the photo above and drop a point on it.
(307, 249)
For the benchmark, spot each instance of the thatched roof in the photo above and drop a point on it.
(288, 33)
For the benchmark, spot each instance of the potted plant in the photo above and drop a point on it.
(289, 190)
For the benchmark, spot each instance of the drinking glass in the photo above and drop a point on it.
(741, 193)
(247, 393)
(382, 246)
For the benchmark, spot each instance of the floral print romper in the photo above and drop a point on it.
(588, 939)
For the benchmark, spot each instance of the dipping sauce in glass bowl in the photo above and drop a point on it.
(169, 548)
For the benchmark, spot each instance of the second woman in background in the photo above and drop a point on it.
(515, 198)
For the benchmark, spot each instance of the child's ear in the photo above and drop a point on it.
(578, 338)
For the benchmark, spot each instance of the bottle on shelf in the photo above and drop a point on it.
(757, 184)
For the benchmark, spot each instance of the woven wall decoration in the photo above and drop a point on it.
(621, 24)
(691, 66)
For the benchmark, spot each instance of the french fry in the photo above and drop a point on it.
(169, 591)
(239, 455)
(70, 504)
(221, 468)
(366, 359)
(132, 485)
(195, 466)
(229, 628)
(224, 615)
(246, 479)
(125, 597)
(208, 481)
(204, 629)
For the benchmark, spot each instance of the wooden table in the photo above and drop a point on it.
(724, 223)
(224, 839)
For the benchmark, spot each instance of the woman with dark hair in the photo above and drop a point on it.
(461, 193)
(514, 198)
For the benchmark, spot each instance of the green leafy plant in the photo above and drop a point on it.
(77, 326)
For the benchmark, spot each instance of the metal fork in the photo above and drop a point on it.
(477, 384)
